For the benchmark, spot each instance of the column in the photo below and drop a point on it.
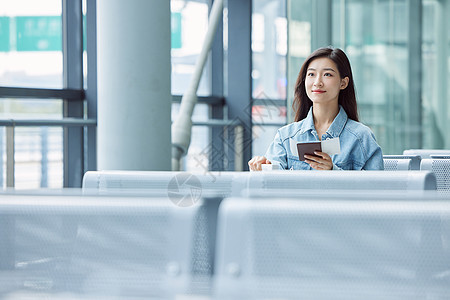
(134, 96)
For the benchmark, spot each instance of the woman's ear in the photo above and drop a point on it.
(344, 83)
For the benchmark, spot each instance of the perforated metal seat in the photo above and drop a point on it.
(328, 249)
(141, 181)
(102, 247)
(401, 162)
(440, 166)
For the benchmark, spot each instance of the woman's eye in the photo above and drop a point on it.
(310, 74)
(327, 74)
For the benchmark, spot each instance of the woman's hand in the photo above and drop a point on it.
(320, 162)
(255, 163)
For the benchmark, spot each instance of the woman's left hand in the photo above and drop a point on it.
(320, 162)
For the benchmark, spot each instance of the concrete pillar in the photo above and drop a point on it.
(134, 95)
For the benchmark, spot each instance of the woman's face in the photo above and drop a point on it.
(323, 81)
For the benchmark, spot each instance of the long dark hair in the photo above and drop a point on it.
(347, 96)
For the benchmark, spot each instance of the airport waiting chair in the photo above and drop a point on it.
(104, 247)
(234, 183)
(401, 162)
(440, 166)
(426, 153)
(342, 180)
(324, 248)
(223, 183)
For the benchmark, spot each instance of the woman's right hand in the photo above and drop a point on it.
(255, 163)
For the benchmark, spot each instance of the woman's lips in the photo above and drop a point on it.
(318, 91)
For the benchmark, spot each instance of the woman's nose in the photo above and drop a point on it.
(318, 81)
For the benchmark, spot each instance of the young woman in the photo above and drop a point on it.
(325, 108)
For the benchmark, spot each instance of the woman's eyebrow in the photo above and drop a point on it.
(324, 69)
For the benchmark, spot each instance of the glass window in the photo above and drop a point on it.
(30, 108)
(269, 47)
(38, 153)
(38, 157)
(197, 158)
(266, 120)
(189, 27)
(389, 61)
(299, 16)
(38, 160)
(31, 44)
(376, 41)
(436, 74)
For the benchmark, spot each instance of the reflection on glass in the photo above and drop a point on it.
(269, 46)
(31, 44)
(436, 74)
(377, 43)
(189, 27)
(389, 64)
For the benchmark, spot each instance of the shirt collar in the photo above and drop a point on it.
(335, 128)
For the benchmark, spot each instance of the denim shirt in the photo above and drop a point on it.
(359, 149)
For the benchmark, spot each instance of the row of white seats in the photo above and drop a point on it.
(436, 161)
(234, 183)
(77, 246)
(325, 248)
(412, 159)
(333, 244)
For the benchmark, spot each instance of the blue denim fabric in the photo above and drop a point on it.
(359, 149)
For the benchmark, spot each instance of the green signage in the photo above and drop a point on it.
(176, 30)
(39, 33)
(4, 34)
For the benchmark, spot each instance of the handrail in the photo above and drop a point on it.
(66, 122)
(70, 122)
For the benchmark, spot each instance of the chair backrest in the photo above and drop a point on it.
(220, 182)
(426, 153)
(234, 183)
(329, 249)
(401, 162)
(104, 247)
(345, 180)
(440, 166)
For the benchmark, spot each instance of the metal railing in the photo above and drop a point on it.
(10, 126)
(11, 140)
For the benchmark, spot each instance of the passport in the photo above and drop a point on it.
(308, 148)
(330, 147)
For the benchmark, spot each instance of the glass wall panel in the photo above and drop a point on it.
(377, 43)
(436, 74)
(30, 108)
(300, 19)
(266, 119)
(38, 153)
(189, 27)
(38, 157)
(269, 46)
(399, 52)
(197, 158)
(31, 43)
